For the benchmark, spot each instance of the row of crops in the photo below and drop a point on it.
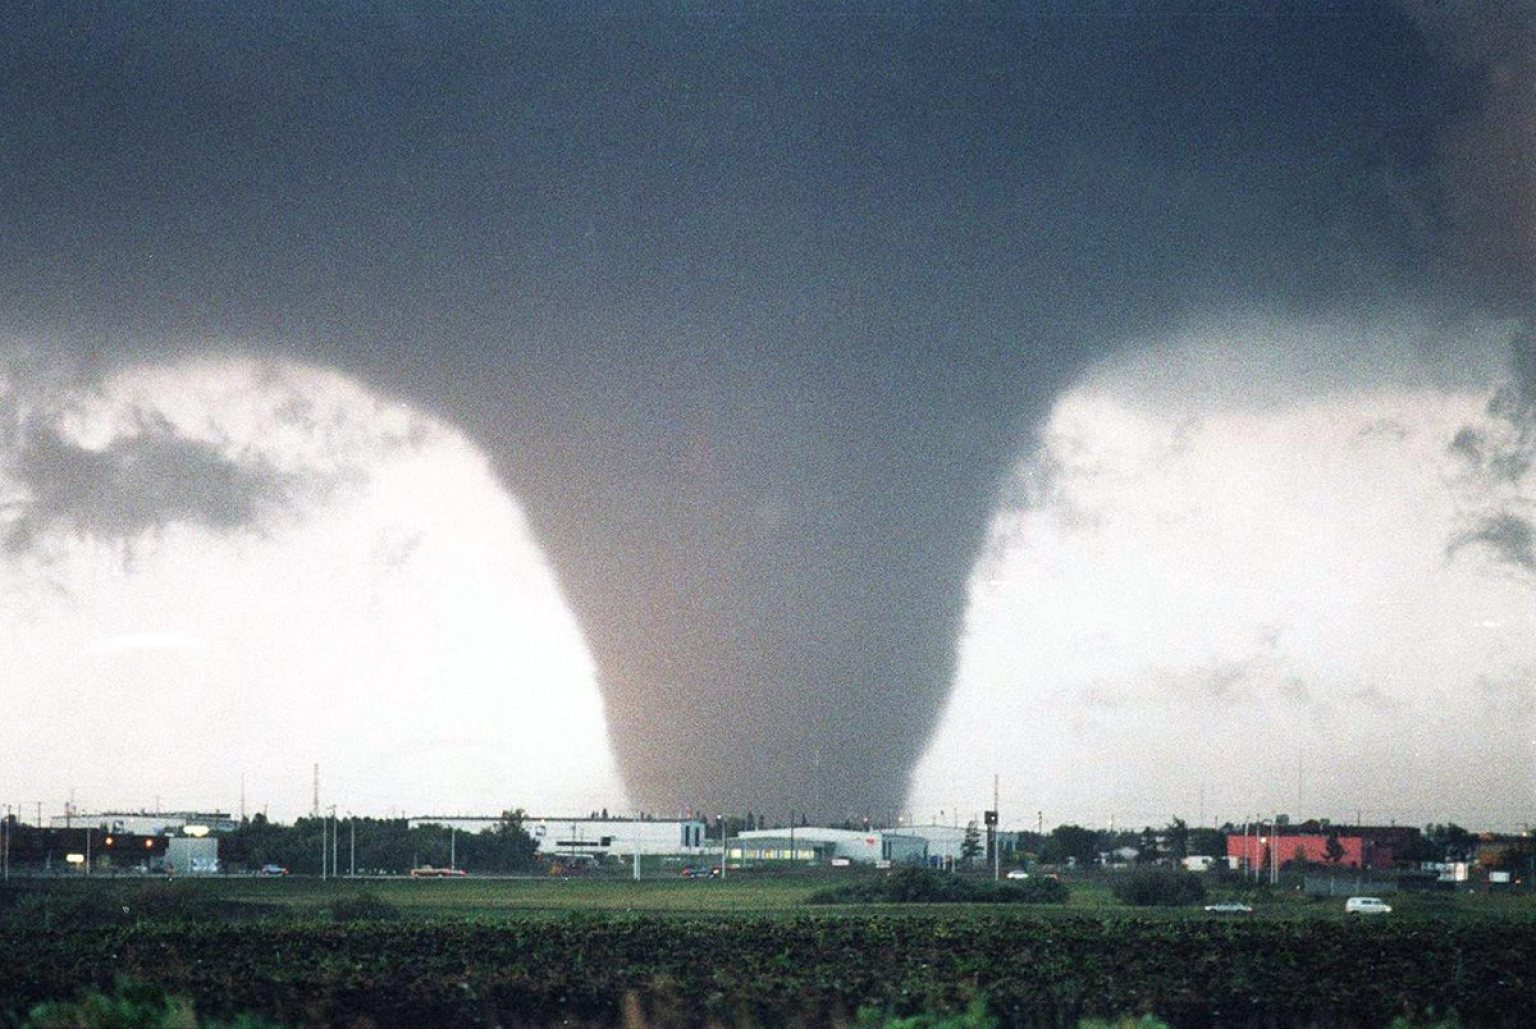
(609, 969)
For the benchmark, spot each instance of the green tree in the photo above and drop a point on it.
(1333, 850)
(1160, 887)
(1177, 835)
(1210, 842)
(1070, 842)
(504, 847)
(1513, 858)
(1451, 841)
(970, 846)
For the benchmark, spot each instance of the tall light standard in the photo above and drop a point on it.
(994, 834)
(637, 827)
(1274, 852)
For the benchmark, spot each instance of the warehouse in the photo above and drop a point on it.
(864, 847)
(598, 837)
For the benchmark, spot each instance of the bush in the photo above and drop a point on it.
(1039, 891)
(926, 886)
(1160, 887)
(362, 907)
(53, 908)
(130, 1005)
(975, 1016)
(49, 912)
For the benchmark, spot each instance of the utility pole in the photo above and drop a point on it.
(996, 834)
(5, 841)
(351, 846)
(1300, 817)
(722, 848)
(323, 849)
(314, 810)
(1274, 853)
(335, 868)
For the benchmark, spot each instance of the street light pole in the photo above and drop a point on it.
(1274, 853)
(997, 834)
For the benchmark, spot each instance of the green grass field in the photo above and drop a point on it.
(748, 894)
(751, 951)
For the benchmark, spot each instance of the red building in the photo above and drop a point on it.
(1257, 850)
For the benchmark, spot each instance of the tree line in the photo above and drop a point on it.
(378, 845)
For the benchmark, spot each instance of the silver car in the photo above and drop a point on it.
(1367, 906)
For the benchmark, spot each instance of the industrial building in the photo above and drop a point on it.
(824, 846)
(946, 843)
(145, 823)
(192, 855)
(597, 837)
(1259, 850)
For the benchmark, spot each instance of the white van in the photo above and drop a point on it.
(1367, 906)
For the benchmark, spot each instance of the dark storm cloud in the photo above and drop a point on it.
(1510, 537)
(1499, 454)
(140, 482)
(754, 310)
(1486, 163)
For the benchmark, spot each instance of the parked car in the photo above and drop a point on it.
(1017, 873)
(1229, 907)
(273, 870)
(428, 872)
(1367, 906)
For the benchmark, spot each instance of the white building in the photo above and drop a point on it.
(145, 823)
(815, 843)
(598, 837)
(946, 843)
(189, 855)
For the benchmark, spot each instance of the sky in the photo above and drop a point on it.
(1146, 640)
(351, 584)
(749, 316)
